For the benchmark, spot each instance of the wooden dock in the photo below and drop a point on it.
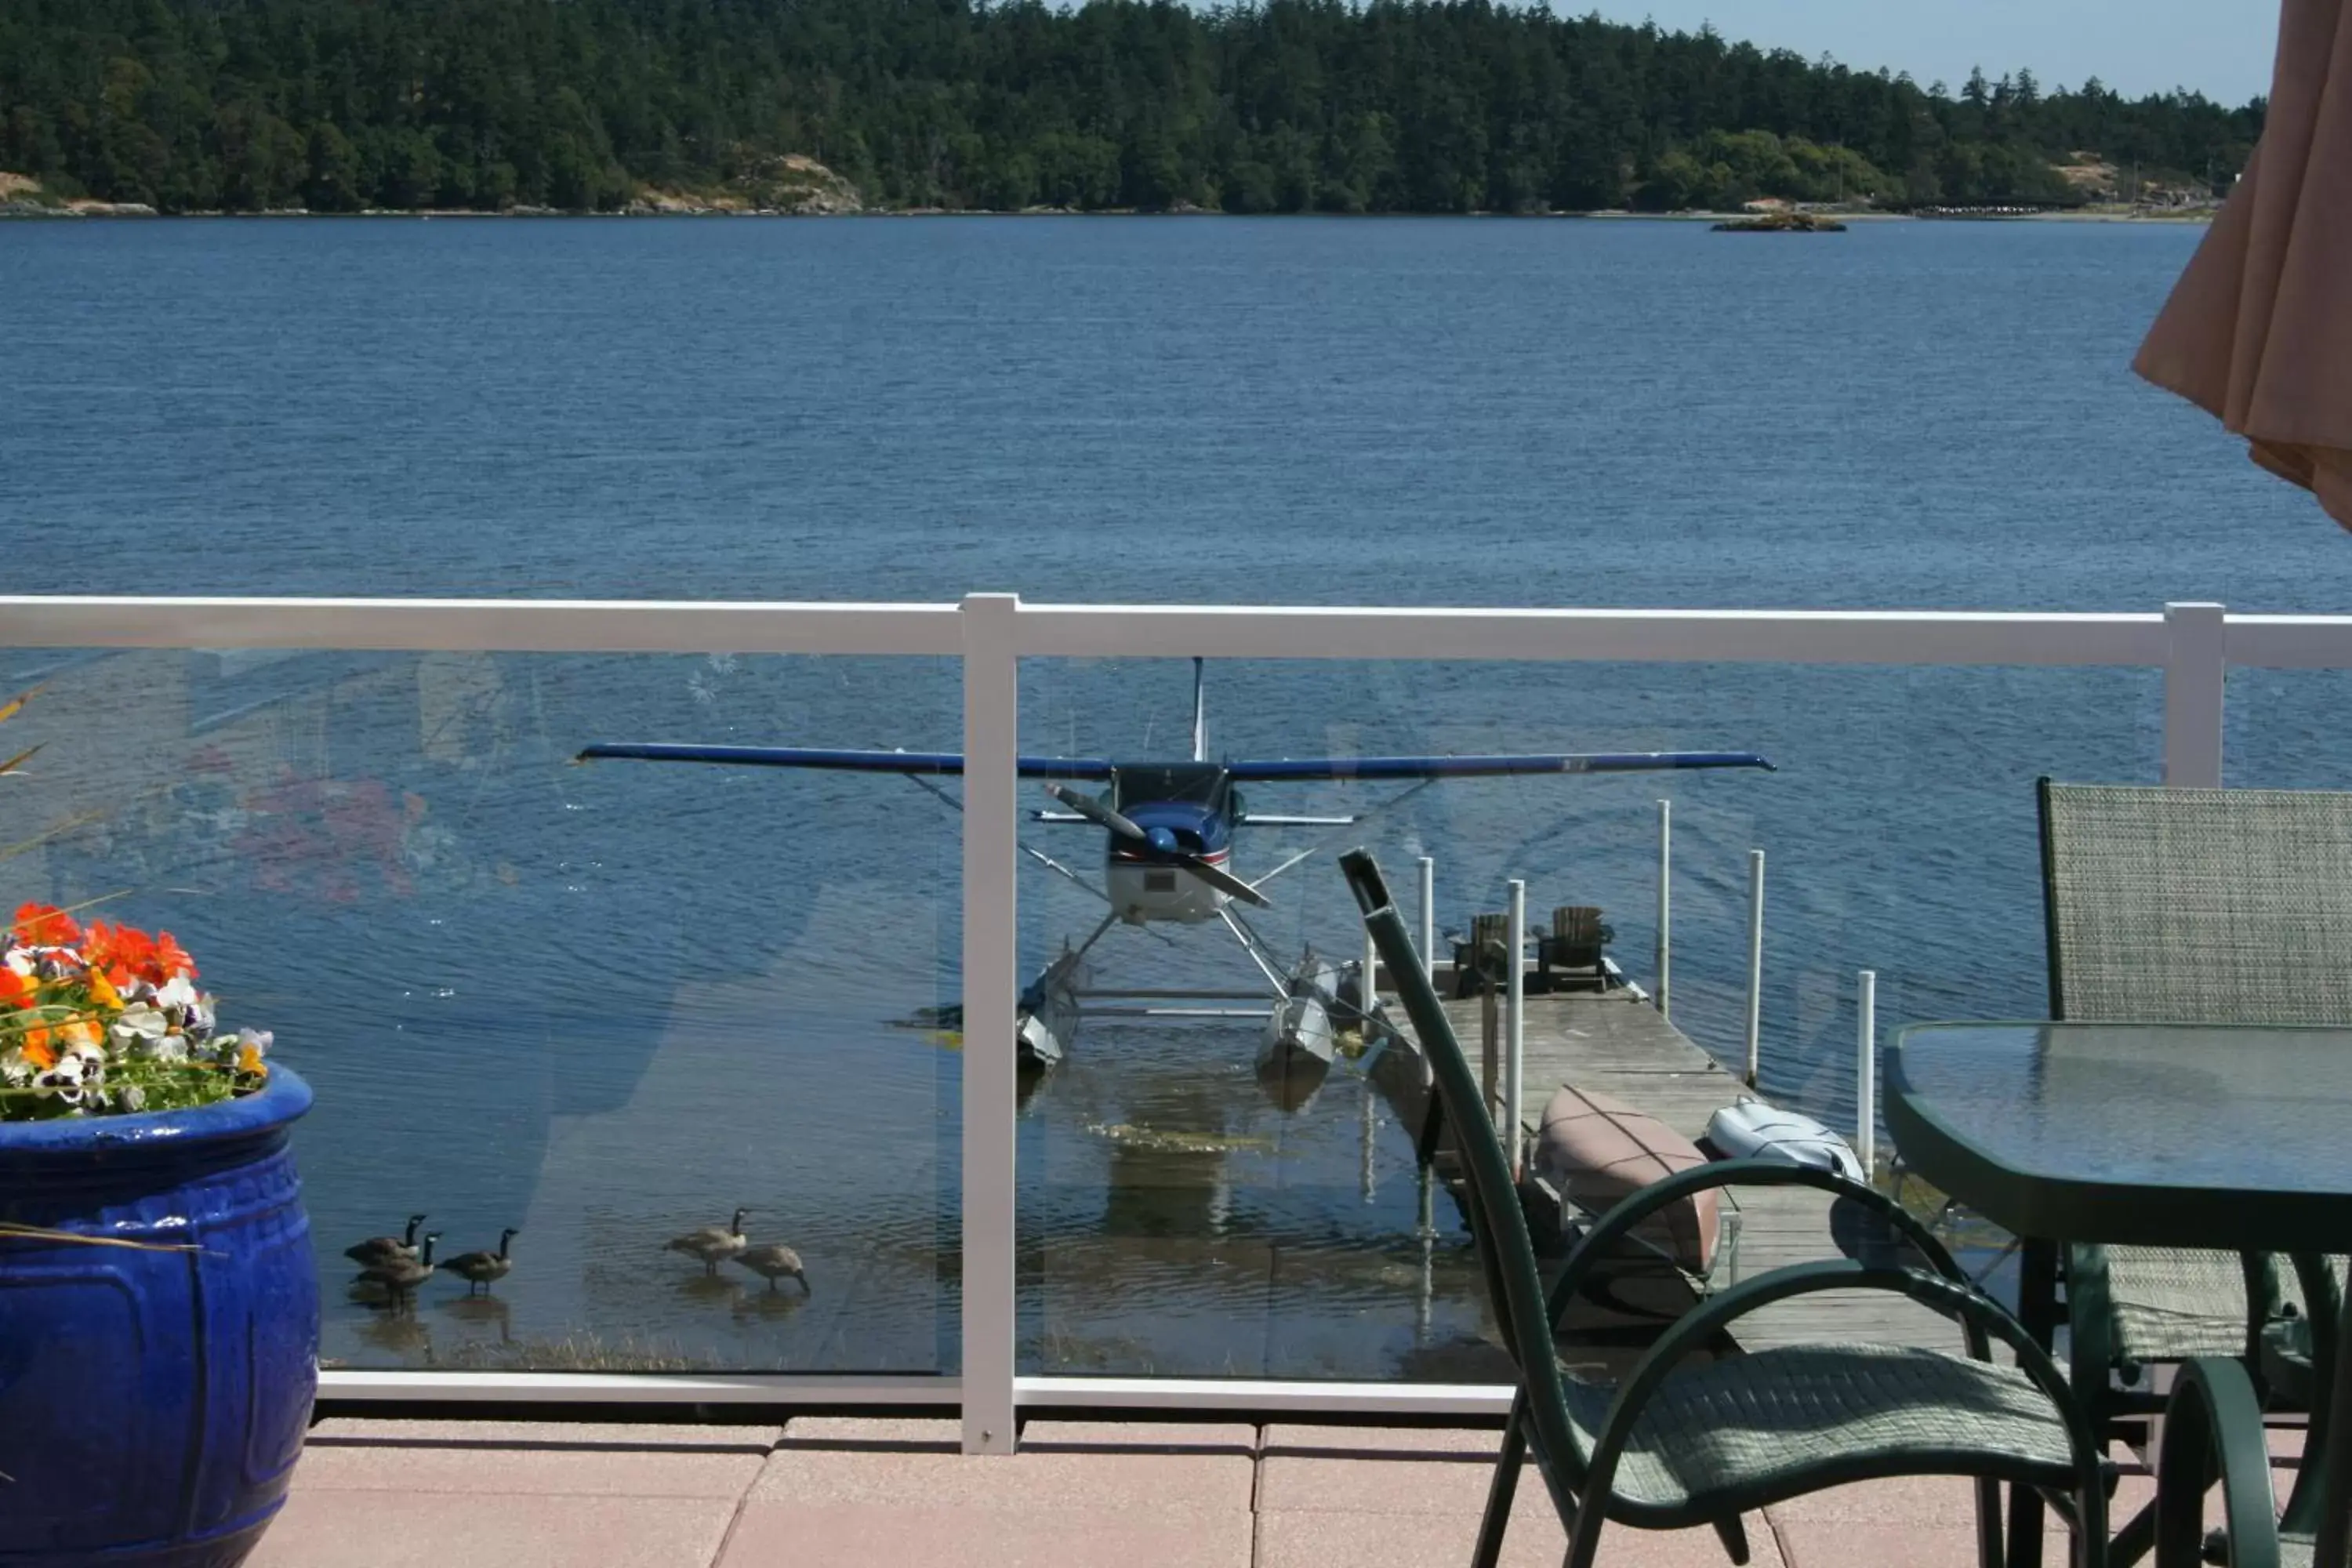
(1615, 1044)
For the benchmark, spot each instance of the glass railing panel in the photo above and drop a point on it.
(1183, 1215)
(2283, 728)
(608, 1004)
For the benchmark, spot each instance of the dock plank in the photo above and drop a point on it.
(1618, 1045)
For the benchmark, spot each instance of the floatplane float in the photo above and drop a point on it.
(1167, 859)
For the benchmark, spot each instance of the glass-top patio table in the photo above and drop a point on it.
(2236, 1138)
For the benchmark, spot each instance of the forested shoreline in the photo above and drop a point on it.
(1280, 106)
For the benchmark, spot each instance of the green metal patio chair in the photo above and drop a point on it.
(1681, 1443)
(2213, 1426)
(2188, 906)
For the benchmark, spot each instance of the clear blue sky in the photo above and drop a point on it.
(2220, 47)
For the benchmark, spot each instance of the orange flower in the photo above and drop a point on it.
(15, 990)
(45, 925)
(101, 990)
(249, 1060)
(37, 1050)
(80, 1032)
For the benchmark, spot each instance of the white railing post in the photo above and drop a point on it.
(992, 726)
(1666, 903)
(1515, 1066)
(1429, 915)
(2195, 680)
(1754, 963)
(1865, 1096)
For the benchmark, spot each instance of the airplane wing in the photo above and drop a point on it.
(1473, 767)
(838, 760)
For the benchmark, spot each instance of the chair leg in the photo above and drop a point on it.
(1733, 1533)
(2135, 1540)
(1989, 1545)
(1502, 1487)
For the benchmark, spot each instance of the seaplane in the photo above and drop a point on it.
(1167, 830)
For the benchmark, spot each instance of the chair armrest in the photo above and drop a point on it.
(1635, 1207)
(2213, 1423)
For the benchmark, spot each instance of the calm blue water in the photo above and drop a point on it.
(608, 1004)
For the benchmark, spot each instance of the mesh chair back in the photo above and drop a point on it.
(2198, 906)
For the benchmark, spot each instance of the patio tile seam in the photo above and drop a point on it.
(734, 1522)
(412, 1489)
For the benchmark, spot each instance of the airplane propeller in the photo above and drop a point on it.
(1095, 812)
(1159, 839)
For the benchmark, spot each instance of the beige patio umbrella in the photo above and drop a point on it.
(2257, 332)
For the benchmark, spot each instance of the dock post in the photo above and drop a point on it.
(1368, 996)
(1866, 1079)
(1514, 1070)
(1489, 1045)
(1429, 915)
(1371, 1132)
(1666, 904)
(1426, 1233)
(1755, 962)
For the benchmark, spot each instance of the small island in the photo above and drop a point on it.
(1782, 223)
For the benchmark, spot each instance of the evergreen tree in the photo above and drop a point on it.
(1262, 106)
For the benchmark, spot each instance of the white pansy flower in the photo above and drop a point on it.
(177, 992)
(258, 1040)
(140, 1024)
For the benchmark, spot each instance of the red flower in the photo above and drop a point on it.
(45, 925)
(170, 959)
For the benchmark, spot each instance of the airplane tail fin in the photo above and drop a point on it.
(1199, 715)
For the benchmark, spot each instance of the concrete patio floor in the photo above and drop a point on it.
(833, 1490)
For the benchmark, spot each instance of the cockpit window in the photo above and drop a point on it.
(1201, 783)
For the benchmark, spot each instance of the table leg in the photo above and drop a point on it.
(2336, 1463)
(2037, 1313)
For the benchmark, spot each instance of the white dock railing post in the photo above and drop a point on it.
(1515, 1068)
(1429, 915)
(1755, 964)
(2196, 681)
(1665, 901)
(1866, 1095)
(992, 724)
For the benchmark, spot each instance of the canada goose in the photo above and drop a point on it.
(775, 1260)
(711, 1243)
(401, 1275)
(378, 1249)
(481, 1267)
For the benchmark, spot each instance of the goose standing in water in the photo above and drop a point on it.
(479, 1269)
(378, 1249)
(401, 1275)
(775, 1260)
(711, 1243)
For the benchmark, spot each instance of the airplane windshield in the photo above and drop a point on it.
(1202, 783)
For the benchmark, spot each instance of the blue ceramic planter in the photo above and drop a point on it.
(152, 1403)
